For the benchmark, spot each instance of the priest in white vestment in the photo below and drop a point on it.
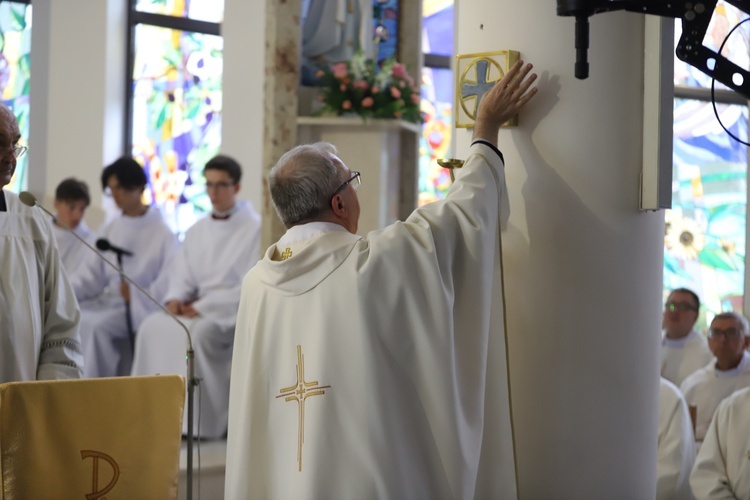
(375, 367)
(676, 445)
(683, 350)
(141, 231)
(704, 389)
(39, 314)
(204, 290)
(71, 200)
(722, 467)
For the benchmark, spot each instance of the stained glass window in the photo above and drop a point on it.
(385, 21)
(199, 10)
(437, 100)
(15, 66)
(705, 230)
(704, 241)
(176, 116)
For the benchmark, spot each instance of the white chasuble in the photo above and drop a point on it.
(39, 315)
(375, 367)
(722, 467)
(676, 445)
(681, 357)
(706, 388)
(72, 252)
(208, 272)
(104, 334)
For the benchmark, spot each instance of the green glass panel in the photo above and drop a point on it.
(15, 71)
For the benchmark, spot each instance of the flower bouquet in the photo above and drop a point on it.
(360, 86)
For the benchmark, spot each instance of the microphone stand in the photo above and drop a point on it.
(192, 382)
(128, 317)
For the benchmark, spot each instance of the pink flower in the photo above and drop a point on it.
(367, 102)
(415, 98)
(402, 84)
(360, 84)
(339, 70)
(397, 114)
(375, 89)
(346, 104)
(398, 71)
(396, 93)
(342, 87)
(410, 80)
(319, 73)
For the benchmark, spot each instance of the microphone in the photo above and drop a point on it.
(103, 244)
(30, 200)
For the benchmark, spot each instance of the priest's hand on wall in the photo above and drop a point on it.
(503, 101)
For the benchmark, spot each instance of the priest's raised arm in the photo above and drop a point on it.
(374, 367)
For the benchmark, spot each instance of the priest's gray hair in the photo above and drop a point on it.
(736, 316)
(303, 181)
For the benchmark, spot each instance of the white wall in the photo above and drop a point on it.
(77, 94)
(582, 265)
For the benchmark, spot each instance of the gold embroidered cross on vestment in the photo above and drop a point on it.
(287, 253)
(299, 392)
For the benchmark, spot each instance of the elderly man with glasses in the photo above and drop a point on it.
(730, 371)
(683, 350)
(374, 366)
(39, 315)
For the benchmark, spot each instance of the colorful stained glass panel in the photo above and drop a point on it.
(704, 243)
(200, 10)
(437, 109)
(177, 102)
(437, 27)
(15, 66)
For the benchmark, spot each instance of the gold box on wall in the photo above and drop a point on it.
(475, 75)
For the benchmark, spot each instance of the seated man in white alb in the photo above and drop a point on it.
(204, 290)
(71, 200)
(704, 389)
(683, 350)
(722, 467)
(676, 448)
(140, 230)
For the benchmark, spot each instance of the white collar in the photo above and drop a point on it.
(304, 232)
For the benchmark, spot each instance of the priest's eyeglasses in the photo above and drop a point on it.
(18, 151)
(355, 180)
(729, 333)
(679, 306)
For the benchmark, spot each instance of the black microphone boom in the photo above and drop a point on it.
(192, 381)
(103, 244)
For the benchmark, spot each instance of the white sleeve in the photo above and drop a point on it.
(709, 480)
(676, 450)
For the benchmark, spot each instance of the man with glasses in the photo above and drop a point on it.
(683, 350)
(204, 290)
(374, 366)
(730, 371)
(140, 230)
(39, 314)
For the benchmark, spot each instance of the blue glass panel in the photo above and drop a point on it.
(704, 245)
(385, 15)
(15, 66)
(437, 27)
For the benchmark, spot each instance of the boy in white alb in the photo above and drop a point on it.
(71, 200)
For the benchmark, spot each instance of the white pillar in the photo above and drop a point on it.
(583, 267)
(77, 95)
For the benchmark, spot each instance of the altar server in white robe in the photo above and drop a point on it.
(722, 467)
(704, 389)
(683, 350)
(375, 366)
(38, 311)
(676, 445)
(71, 200)
(139, 229)
(204, 290)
